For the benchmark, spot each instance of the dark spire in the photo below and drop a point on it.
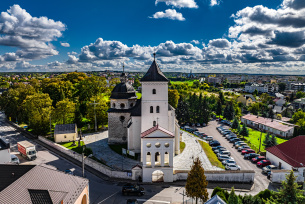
(123, 75)
(154, 73)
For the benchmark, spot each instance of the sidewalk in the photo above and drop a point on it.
(98, 142)
(192, 150)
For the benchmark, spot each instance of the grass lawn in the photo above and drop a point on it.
(190, 82)
(139, 95)
(210, 154)
(182, 146)
(76, 148)
(118, 149)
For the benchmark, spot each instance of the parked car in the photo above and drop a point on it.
(14, 159)
(214, 143)
(204, 125)
(228, 161)
(219, 150)
(224, 157)
(268, 169)
(237, 143)
(224, 152)
(68, 171)
(263, 163)
(234, 140)
(132, 201)
(217, 147)
(133, 189)
(209, 138)
(250, 155)
(241, 148)
(247, 151)
(232, 167)
(257, 159)
(198, 124)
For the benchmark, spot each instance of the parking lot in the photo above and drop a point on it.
(261, 181)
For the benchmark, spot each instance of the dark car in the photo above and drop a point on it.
(250, 155)
(263, 163)
(132, 201)
(68, 171)
(257, 159)
(247, 151)
(217, 147)
(214, 143)
(133, 189)
(232, 140)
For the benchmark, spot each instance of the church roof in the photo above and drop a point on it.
(123, 91)
(153, 129)
(154, 74)
(136, 110)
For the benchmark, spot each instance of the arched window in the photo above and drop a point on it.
(154, 91)
(158, 109)
(122, 105)
(154, 123)
(148, 159)
(113, 105)
(166, 159)
(151, 109)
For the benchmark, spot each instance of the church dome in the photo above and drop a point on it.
(123, 91)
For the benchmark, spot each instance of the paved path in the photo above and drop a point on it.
(192, 150)
(98, 142)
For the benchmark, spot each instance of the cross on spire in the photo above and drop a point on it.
(123, 67)
(154, 56)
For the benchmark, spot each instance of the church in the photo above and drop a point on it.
(148, 125)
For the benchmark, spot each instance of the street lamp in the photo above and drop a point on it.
(83, 161)
(94, 114)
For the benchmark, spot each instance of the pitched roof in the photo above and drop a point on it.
(215, 200)
(65, 128)
(291, 151)
(153, 129)
(154, 74)
(250, 96)
(123, 90)
(40, 196)
(60, 186)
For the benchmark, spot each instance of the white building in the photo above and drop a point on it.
(262, 88)
(148, 125)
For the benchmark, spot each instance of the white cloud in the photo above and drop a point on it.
(170, 14)
(214, 2)
(65, 44)
(195, 42)
(179, 3)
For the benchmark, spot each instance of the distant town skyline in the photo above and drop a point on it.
(205, 36)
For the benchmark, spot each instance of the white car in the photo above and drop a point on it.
(243, 148)
(224, 157)
(209, 138)
(14, 159)
(225, 152)
(228, 161)
(232, 167)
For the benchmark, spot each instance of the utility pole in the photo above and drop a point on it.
(95, 114)
(50, 125)
(260, 142)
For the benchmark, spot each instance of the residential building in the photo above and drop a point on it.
(288, 155)
(273, 126)
(214, 80)
(296, 86)
(40, 184)
(234, 80)
(299, 103)
(215, 200)
(65, 133)
(246, 99)
(5, 155)
(261, 88)
(279, 99)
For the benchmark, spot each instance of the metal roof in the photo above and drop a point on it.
(40, 196)
(154, 73)
(123, 91)
(65, 128)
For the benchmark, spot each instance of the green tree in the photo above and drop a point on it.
(100, 110)
(297, 116)
(65, 112)
(219, 108)
(267, 140)
(300, 94)
(221, 97)
(255, 93)
(89, 87)
(244, 131)
(254, 108)
(205, 110)
(38, 109)
(173, 97)
(136, 83)
(196, 184)
(235, 123)
(75, 77)
(233, 198)
(273, 141)
(282, 87)
(182, 110)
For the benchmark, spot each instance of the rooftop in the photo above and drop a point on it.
(65, 128)
(154, 73)
(153, 129)
(4, 144)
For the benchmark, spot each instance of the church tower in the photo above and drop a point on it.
(154, 98)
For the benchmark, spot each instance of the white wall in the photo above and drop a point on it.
(134, 135)
(5, 156)
(59, 138)
(167, 177)
(275, 161)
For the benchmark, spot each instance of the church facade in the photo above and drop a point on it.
(148, 125)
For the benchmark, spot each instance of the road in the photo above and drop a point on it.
(260, 181)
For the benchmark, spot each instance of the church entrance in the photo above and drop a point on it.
(157, 176)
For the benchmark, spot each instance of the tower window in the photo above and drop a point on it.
(158, 109)
(131, 105)
(113, 105)
(154, 91)
(151, 109)
(154, 123)
(122, 105)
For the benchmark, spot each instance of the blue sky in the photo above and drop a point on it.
(198, 35)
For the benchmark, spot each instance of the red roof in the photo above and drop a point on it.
(291, 151)
(153, 129)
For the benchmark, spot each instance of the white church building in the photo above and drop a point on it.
(148, 125)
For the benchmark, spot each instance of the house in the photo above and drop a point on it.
(39, 184)
(214, 80)
(261, 88)
(279, 99)
(296, 86)
(246, 99)
(215, 200)
(289, 155)
(65, 133)
(278, 109)
(276, 127)
(299, 103)
(5, 156)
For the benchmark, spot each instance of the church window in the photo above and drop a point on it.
(154, 91)
(113, 105)
(166, 144)
(122, 118)
(158, 109)
(151, 109)
(148, 145)
(158, 144)
(154, 123)
(131, 105)
(122, 105)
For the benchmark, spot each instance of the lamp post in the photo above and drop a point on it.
(94, 114)
(83, 161)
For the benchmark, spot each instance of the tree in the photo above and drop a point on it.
(267, 140)
(38, 109)
(173, 97)
(300, 94)
(233, 198)
(270, 113)
(136, 83)
(255, 93)
(273, 141)
(65, 112)
(254, 108)
(244, 131)
(100, 110)
(238, 128)
(182, 111)
(297, 116)
(221, 97)
(235, 123)
(219, 108)
(196, 184)
(282, 87)
(205, 110)
(290, 192)
(228, 112)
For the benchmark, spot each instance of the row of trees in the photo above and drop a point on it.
(196, 187)
(65, 99)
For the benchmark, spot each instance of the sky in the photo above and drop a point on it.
(205, 36)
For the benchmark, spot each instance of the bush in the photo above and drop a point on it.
(88, 151)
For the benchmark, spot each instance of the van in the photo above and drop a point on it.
(14, 159)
